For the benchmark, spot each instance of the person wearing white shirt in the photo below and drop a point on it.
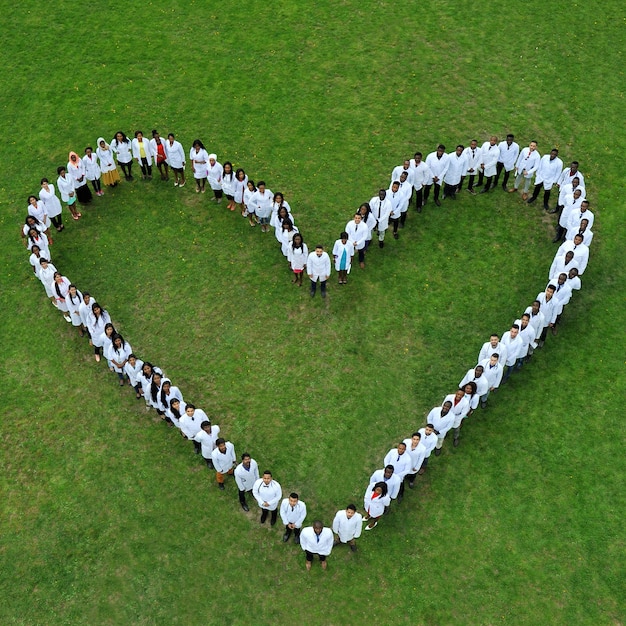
(132, 369)
(199, 158)
(472, 161)
(207, 437)
(582, 229)
(390, 478)
(508, 153)
(159, 152)
(401, 462)
(580, 250)
(562, 263)
(417, 452)
(316, 540)
(437, 163)
(576, 217)
(420, 175)
(107, 163)
(460, 409)
(381, 208)
(318, 268)
(84, 310)
(514, 347)
(358, 232)
(397, 199)
(442, 420)
(260, 203)
(562, 294)
(176, 159)
(224, 460)
(191, 422)
(398, 170)
(52, 205)
(142, 151)
(375, 502)
(118, 353)
(292, 513)
(347, 526)
(297, 255)
(65, 185)
(476, 374)
(406, 189)
(246, 475)
(490, 153)
(429, 441)
(343, 252)
(569, 173)
(493, 371)
(456, 169)
(145, 379)
(492, 346)
(92, 170)
(215, 171)
(525, 167)
(527, 335)
(548, 174)
(571, 204)
(537, 321)
(174, 413)
(121, 147)
(267, 492)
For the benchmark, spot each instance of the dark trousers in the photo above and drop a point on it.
(403, 217)
(309, 556)
(146, 169)
(242, 497)
(546, 194)
(218, 193)
(419, 199)
(96, 185)
(127, 168)
(437, 190)
(489, 183)
(273, 518)
(361, 255)
(322, 287)
(57, 221)
(395, 221)
(450, 191)
(426, 189)
(470, 182)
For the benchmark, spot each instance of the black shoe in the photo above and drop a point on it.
(209, 464)
(312, 293)
(221, 486)
(411, 485)
(437, 203)
(437, 451)
(286, 537)
(353, 547)
(263, 517)
(530, 200)
(453, 196)
(273, 522)
(556, 240)
(296, 540)
(245, 507)
(546, 207)
(553, 211)
(381, 244)
(396, 236)
(485, 190)
(455, 443)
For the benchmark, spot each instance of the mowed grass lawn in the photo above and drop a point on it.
(108, 517)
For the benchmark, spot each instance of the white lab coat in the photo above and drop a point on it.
(292, 515)
(147, 148)
(51, 203)
(245, 478)
(507, 155)
(175, 154)
(318, 267)
(346, 528)
(401, 462)
(489, 158)
(271, 494)
(374, 506)
(317, 544)
(338, 250)
(224, 462)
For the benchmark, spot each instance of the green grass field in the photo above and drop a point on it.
(108, 517)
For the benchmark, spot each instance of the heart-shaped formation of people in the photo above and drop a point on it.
(443, 174)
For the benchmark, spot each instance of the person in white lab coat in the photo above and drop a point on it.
(380, 206)
(110, 175)
(401, 462)
(417, 452)
(489, 153)
(224, 460)
(343, 251)
(142, 151)
(508, 153)
(548, 173)
(316, 540)
(472, 161)
(121, 147)
(246, 475)
(420, 176)
(215, 172)
(93, 171)
(347, 526)
(176, 159)
(51, 203)
(199, 158)
(437, 163)
(456, 170)
(158, 146)
(207, 437)
(441, 419)
(298, 254)
(267, 492)
(65, 185)
(318, 268)
(525, 167)
(292, 513)
(375, 502)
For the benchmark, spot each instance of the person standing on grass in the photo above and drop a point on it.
(347, 526)
(417, 452)
(508, 153)
(476, 374)
(228, 185)
(191, 422)
(428, 440)
(246, 475)
(92, 170)
(132, 369)
(298, 257)
(224, 460)
(490, 153)
(176, 159)
(159, 152)
(207, 437)
(248, 208)
(73, 300)
(167, 394)
(472, 164)
(400, 460)
(199, 158)
(460, 409)
(514, 348)
(437, 163)
(493, 371)
(375, 502)
(357, 234)
(316, 540)
(292, 513)
(389, 478)
(397, 199)
(318, 268)
(267, 492)
(342, 255)
(442, 420)
(118, 354)
(65, 185)
(492, 346)
(456, 169)
(525, 168)
(548, 173)
(108, 168)
(420, 175)
(51, 203)
(120, 145)
(61, 289)
(215, 172)
(381, 208)
(260, 204)
(239, 187)
(142, 151)
(76, 171)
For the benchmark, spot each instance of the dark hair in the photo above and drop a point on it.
(60, 169)
(383, 487)
(219, 441)
(343, 235)
(43, 180)
(197, 143)
(351, 507)
(138, 132)
(124, 137)
(293, 494)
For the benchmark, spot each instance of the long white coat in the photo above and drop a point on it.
(147, 148)
(50, 201)
(346, 528)
(374, 506)
(270, 494)
(245, 478)
(317, 544)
